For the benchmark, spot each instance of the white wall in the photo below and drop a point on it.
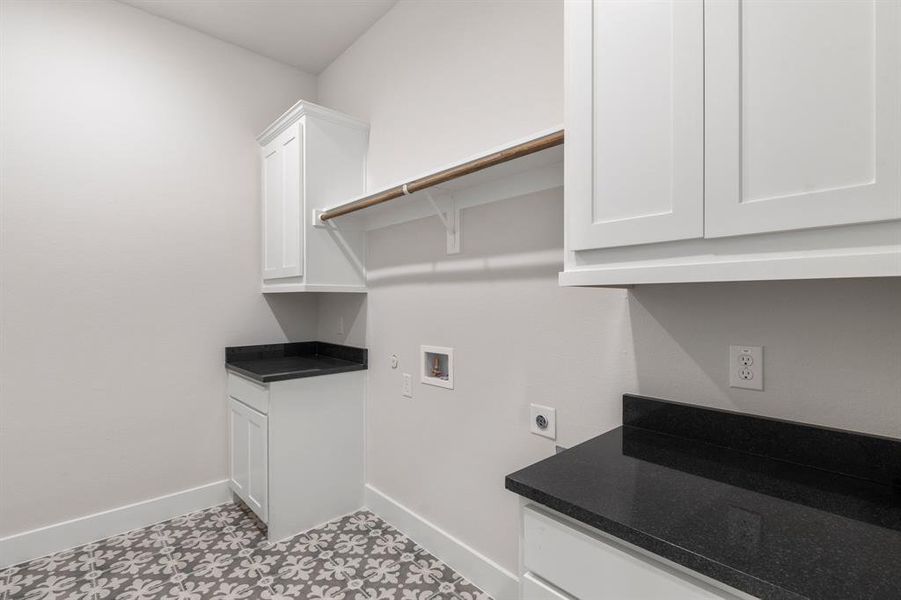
(129, 253)
(832, 349)
(439, 81)
(350, 309)
(518, 338)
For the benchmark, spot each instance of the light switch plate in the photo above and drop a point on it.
(544, 421)
(407, 390)
(746, 367)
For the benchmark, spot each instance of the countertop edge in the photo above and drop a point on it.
(287, 376)
(717, 571)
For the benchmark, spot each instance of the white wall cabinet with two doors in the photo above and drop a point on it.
(726, 140)
(312, 158)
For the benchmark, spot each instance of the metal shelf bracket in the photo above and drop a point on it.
(450, 219)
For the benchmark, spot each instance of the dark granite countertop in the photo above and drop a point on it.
(278, 362)
(773, 508)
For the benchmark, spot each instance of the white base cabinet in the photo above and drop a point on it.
(562, 560)
(732, 140)
(296, 449)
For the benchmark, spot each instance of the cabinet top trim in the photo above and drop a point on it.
(306, 108)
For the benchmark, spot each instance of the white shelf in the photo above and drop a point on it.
(535, 172)
(280, 288)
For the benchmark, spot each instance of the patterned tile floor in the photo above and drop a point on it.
(222, 554)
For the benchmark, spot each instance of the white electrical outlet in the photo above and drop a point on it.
(340, 325)
(746, 367)
(408, 386)
(543, 421)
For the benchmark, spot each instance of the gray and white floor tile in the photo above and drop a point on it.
(222, 554)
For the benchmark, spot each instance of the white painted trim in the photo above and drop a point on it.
(882, 263)
(303, 108)
(28, 545)
(277, 288)
(483, 572)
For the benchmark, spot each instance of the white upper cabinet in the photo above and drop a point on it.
(803, 109)
(732, 140)
(312, 158)
(634, 122)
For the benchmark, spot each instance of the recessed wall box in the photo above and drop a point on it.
(437, 366)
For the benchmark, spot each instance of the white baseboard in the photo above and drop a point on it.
(483, 572)
(27, 545)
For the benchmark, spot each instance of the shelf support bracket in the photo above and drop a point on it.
(451, 221)
(319, 223)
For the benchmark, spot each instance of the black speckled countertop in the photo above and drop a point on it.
(278, 362)
(773, 508)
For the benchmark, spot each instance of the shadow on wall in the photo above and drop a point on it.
(517, 238)
(832, 348)
(342, 319)
(296, 315)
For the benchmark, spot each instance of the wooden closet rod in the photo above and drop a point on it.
(478, 164)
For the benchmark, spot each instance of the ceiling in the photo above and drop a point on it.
(307, 34)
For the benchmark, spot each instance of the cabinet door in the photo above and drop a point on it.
(258, 464)
(237, 448)
(249, 457)
(634, 122)
(282, 205)
(803, 114)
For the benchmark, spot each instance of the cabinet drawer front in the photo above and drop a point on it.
(252, 394)
(590, 568)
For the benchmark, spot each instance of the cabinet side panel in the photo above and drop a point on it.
(315, 451)
(336, 170)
